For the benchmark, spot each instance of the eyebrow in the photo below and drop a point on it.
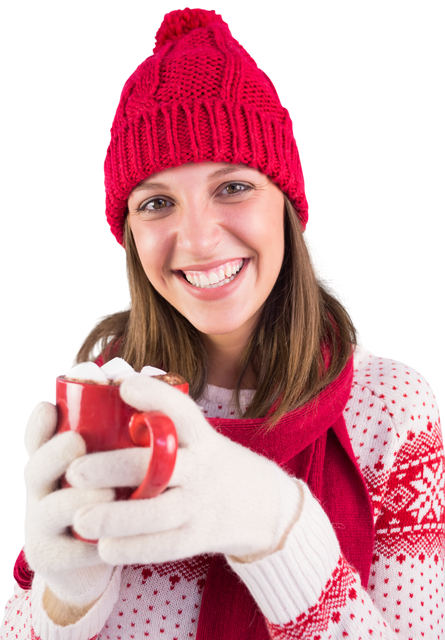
(148, 184)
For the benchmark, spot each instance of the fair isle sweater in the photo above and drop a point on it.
(307, 589)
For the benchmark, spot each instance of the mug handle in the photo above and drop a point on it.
(156, 430)
(149, 429)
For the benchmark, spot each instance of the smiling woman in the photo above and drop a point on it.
(240, 335)
(209, 232)
(307, 497)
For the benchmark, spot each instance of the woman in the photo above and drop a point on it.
(310, 502)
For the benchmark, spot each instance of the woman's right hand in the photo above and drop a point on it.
(74, 574)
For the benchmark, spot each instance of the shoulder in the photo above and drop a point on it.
(392, 419)
(395, 390)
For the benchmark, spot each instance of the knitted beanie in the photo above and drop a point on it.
(199, 97)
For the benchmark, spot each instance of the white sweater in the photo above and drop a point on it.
(307, 589)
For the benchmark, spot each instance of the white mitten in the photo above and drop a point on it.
(73, 570)
(223, 498)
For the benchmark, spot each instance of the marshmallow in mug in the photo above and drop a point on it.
(114, 371)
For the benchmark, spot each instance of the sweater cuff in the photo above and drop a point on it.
(87, 627)
(290, 581)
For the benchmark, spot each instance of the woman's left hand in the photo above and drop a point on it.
(222, 497)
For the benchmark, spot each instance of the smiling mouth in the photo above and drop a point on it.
(218, 284)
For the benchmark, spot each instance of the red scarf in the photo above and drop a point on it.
(311, 443)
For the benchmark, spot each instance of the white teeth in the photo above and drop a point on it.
(217, 278)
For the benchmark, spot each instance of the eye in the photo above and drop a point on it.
(155, 204)
(234, 188)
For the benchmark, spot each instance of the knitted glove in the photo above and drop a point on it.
(223, 498)
(73, 570)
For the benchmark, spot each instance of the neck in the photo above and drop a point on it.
(224, 355)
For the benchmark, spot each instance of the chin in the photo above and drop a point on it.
(217, 328)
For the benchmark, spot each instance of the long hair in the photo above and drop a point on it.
(301, 343)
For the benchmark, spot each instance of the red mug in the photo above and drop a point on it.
(106, 422)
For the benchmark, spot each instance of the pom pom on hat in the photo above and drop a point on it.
(178, 23)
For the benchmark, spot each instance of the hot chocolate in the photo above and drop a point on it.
(174, 379)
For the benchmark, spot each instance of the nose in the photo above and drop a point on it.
(198, 231)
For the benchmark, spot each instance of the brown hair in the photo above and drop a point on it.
(301, 343)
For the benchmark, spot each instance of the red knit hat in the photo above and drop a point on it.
(199, 97)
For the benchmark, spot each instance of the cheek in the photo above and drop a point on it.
(151, 249)
(269, 241)
(145, 252)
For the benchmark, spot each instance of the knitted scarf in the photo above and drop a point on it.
(310, 443)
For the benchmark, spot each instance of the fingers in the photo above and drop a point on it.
(121, 468)
(147, 549)
(132, 517)
(145, 393)
(148, 394)
(183, 468)
(41, 426)
(56, 512)
(49, 463)
(48, 554)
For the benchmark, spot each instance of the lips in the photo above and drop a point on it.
(203, 268)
